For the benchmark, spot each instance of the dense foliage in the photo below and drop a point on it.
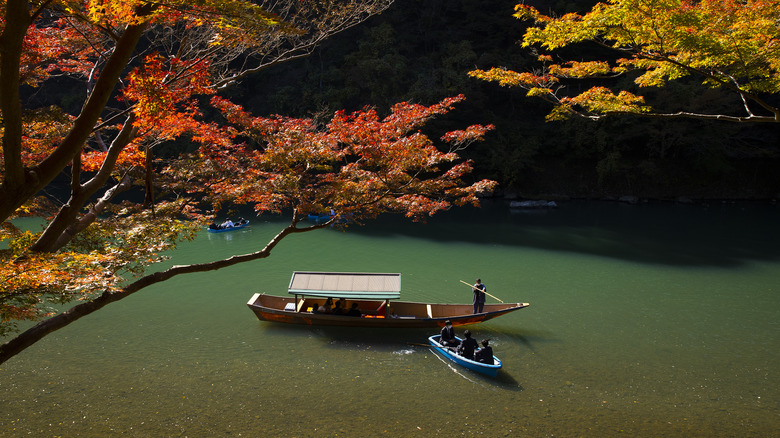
(423, 51)
(149, 69)
(732, 45)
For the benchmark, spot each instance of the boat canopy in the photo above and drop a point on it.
(355, 286)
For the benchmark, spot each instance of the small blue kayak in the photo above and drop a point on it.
(484, 368)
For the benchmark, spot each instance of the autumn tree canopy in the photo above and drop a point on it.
(151, 72)
(733, 45)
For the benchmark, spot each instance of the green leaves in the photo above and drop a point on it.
(730, 44)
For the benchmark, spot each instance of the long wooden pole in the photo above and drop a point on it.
(472, 286)
(419, 345)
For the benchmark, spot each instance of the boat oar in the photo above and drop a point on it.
(472, 286)
(418, 344)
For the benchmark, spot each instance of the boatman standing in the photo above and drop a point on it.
(479, 296)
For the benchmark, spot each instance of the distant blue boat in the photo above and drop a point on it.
(319, 218)
(214, 228)
(487, 369)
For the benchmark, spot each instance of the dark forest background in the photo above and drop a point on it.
(421, 51)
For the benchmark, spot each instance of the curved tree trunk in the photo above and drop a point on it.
(18, 185)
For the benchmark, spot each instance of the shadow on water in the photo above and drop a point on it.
(379, 339)
(655, 233)
(503, 380)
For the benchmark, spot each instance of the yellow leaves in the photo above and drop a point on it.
(575, 69)
(726, 43)
(509, 78)
(538, 92)
(114, 11)
(603, 100)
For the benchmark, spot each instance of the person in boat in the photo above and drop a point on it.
(337, 309)
(448, 338)
(468, 346)
(227, 224)
(315, 308)
(479, 296)
(485, 354)
(354, 311)
(326, 306)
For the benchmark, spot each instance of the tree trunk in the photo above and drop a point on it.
(17, 20)
(18, 186)
(149, 180)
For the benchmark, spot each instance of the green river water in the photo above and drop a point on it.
(645, 320)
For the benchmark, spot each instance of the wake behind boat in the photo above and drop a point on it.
(371, 295)
(484, 368)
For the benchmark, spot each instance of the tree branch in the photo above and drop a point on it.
(16, 190)
(43, 328)
(62, 228)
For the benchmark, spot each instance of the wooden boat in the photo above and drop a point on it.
(487, 369)
(213, 228)
(373, 293)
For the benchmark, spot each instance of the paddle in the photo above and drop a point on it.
(472, 286)
(419, 345)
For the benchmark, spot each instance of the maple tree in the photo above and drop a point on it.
(733, 45)
(147, 67)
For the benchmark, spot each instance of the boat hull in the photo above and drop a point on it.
(225, 230)
(402, 314)
(482, 368)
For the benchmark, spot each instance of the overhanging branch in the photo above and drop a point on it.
(43, 328)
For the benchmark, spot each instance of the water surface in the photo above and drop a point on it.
(648, 320)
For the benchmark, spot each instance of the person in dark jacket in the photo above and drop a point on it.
(479, 296)
(467, 347)
(354, 311)
(485, 354)
(448, 335)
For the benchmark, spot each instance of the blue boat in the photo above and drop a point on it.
(487, 369)
(214, 228)
(319, 218)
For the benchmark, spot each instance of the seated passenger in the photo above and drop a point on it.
(467, 347)
(354, 311)
(326, 306)
(338, 310)
(448, 335)
(485, 354)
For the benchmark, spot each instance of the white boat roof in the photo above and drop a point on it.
(347, 285)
